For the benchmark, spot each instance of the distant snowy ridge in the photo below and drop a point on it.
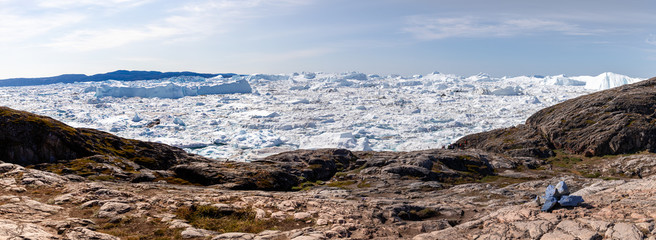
(173, 91)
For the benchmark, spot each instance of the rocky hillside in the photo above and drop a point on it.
(615, 121)
(47, 144)
(59, 182)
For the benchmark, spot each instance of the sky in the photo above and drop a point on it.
(501, 37)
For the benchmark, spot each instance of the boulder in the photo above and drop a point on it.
(81, 233)
(562, 188)
(112, 209)
(570, 201)
(549, 204)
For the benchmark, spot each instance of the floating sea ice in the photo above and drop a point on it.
(257, 139)
(606, 80)
(179, 122)
(221, 139)
(300, 101)
(330, 140)
(262, 114)
(303, 87)
(173, 91)
(507, 91)
(136, 118)
(561, 80)
(364, 145)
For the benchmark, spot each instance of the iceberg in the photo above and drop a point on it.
(507, 91)
(173, 90)
(336, 140)
(561, 80)
(606, 80)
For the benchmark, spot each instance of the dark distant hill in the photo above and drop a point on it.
(120, 75)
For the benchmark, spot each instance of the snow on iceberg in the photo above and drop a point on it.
(507, 91)
(336, 140)
(562, 80)
(173, 91)
(259, 114)
(481, 77)
(606, 80)
(356, 76)
(240, 86)
(257, 140)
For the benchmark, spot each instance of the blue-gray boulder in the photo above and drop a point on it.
(562, 189)
(549, 203)
(570, 201)
(550, 192)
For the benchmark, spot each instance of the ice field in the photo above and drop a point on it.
(249, 117)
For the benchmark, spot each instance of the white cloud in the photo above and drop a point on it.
(651, 39)
(65, 4)
(86, 40)
(188, 22)
(427, 28)
(19, 27)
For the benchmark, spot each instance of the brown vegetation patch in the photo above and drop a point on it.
(240, 220)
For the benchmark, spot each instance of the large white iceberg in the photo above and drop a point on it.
(562, 80)
(173, 90)
(606, 80)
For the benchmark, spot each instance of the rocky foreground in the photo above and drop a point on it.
(59, 182)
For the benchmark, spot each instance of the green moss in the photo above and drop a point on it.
(464, 158)
(174, 180)
(359, 169)
(340, 174)
(143, 160)
(102, 177)
(306, 186)
(502, 181)
(592, 175)
(133, 228)
(81, 166)
(364, 184)
(315, 166)
(341, 184)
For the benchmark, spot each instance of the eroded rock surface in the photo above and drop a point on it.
(615, 121)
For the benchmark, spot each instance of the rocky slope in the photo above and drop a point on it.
(615, 121)
(59, 182)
